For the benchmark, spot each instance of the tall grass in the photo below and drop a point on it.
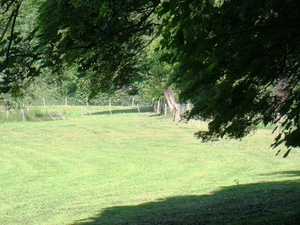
(128, 168)
(45, 113)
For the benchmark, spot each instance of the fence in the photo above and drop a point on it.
(117, 100)
(112, 106)
(162, 108)
(45, 113)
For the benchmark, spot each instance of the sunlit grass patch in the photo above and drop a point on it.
(60, 172)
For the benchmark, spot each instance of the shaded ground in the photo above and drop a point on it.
(262, 203)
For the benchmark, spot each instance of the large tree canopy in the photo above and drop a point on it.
(236, 61)
(103, 38)
(239, 62)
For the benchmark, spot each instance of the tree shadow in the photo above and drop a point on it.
(261, 203)
(142, 109)
(293, 173)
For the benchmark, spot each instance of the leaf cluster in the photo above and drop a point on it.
(18, 46)
(232, 56)
(103, 38)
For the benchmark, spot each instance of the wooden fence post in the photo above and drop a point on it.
(158, 106)
(109, 104)
(22, 114)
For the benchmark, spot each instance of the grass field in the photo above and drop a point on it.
(141, 169)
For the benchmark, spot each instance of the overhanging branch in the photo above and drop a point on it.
(13, 18)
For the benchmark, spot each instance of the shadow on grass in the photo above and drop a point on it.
(142, 109)
(261, 203)
(294, 173)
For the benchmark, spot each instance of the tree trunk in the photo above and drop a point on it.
(172, 104)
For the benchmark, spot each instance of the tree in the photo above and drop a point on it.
(9, 12)
(152, 72)
(104, 38)
(232, 55)
(236, 61)
(18, 46)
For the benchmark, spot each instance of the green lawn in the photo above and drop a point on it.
(141, 169)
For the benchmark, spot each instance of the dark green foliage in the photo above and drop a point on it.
(232, 57)
(18, 47)
(236, 61)
(103, 38)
